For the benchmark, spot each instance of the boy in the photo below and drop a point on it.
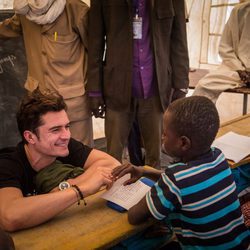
(197, 194)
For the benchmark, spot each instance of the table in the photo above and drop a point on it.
(94, 226)
(240, 125)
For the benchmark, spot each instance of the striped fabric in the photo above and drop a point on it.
(200, 199)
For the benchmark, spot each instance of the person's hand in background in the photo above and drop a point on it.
(97, 106)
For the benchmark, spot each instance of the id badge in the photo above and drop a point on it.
(137, 27)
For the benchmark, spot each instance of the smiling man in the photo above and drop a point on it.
(44, 126)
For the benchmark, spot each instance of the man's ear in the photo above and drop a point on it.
(29, 136)
(185, 143)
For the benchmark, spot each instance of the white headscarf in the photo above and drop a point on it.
(40, 11)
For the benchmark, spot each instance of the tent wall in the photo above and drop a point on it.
(204, 28)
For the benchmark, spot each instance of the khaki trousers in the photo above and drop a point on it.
(81, 126)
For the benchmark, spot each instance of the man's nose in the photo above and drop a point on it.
(65, 133)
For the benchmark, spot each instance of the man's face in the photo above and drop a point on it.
(53, 135)
(170, 140)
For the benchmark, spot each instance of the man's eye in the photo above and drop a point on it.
(55, 130)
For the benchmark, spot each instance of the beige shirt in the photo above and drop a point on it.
(235, 42)
(56, 53)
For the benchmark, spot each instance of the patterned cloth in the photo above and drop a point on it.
(244, 77)
(40, 11)
(245, 208)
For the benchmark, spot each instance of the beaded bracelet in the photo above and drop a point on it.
(80, 194)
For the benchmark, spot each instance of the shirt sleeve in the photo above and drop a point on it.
(178, 47)
(10, 174)
(164, 197)
(79, 11)
(230, 41)
(96, 47)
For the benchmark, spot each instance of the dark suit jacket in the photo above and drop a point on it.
(112, 73)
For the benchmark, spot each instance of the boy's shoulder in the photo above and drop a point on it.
(180, 171)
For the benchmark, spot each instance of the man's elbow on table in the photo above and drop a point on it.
(10, 222)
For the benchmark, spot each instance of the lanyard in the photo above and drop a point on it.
(136, 7)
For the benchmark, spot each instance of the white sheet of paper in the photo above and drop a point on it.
(126, 196)
(234, 146)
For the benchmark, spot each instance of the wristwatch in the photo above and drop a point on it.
(64, 185)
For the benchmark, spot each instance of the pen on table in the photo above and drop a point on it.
(55, 36)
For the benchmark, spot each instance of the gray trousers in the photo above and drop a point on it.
(118, 125)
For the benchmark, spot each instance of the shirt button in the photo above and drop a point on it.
(142, 67)
(141, 50)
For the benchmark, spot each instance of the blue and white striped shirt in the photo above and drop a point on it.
(200, 199)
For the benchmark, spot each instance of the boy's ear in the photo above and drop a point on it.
(185, 143)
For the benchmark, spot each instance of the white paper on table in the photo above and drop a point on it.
(126, 196)
(234, 146)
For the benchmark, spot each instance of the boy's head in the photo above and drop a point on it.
(34, 105)
(189, 127)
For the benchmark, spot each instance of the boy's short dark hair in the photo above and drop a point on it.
(197, 118)
(34, 105)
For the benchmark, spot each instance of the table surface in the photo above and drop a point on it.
(94, 226)
(240, 125)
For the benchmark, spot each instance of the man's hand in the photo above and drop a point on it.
(94, 178)
(136, 172)
(97, 106)
(244, 77)
(178, 93)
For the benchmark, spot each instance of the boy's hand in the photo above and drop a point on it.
(128, 168)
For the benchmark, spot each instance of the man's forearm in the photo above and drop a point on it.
(24, 212)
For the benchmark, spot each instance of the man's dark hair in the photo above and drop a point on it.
(34, 105)
(197, 118)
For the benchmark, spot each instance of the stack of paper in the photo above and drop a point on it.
(234, 146)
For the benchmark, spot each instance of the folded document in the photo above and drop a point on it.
(122, 197)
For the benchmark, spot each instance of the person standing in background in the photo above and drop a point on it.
(55, 38)
(234, 70)
(138, 64)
